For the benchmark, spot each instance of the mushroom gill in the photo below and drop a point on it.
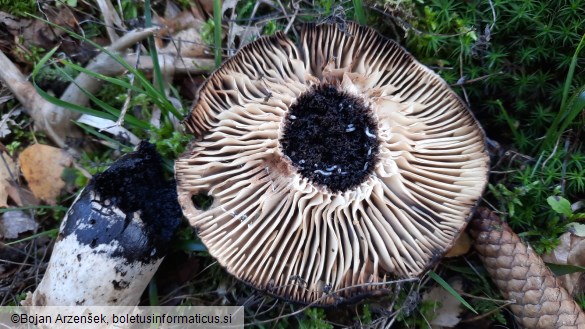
(333, 164)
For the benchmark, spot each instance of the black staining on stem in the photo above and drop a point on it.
(130, 207)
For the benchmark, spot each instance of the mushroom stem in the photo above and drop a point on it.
(114, 236)
(522, 276)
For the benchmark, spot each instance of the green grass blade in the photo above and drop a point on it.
(575, 106)
(3, 210)
(52, 233)
(359, 15)
(571, 72)
(509, 121)
(452, 291)
(155, 95)
(559, 269)
(113, 111)
(43, 61)
(217, 31)
(57, 101)
(152, 48)
(114, 81)
(71, 106)
(562, 118)
(153, 293)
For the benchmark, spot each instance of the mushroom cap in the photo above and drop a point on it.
(295, 236)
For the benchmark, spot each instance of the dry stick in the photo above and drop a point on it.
(294, 16)
(55, 120)
(541, 302)
(128, 99)
(332, 293)
(102, 64)
(23, 90)
(180, 65)
(111, 19)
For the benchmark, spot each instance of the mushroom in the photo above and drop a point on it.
(113, 237)
(334, 164)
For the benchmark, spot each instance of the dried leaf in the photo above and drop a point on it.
(461, 247)
(14, 222)
(42, 166)
(6, 121)
(171, 9)
(207, 6)
(34, 32)
(21, 196)
(570, 251)
(246, 34)
(228, 4)
(449, 308)
(8, 171)
(184, 31)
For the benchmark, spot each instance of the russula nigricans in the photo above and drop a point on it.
(334, 164)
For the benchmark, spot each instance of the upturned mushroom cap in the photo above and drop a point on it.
(334, 164)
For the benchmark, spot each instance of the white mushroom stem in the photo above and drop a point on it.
(114, 236)
(81, 275)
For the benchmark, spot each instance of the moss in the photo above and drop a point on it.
(522, 57)
(19, 8)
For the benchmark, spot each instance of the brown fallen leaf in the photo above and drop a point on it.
(21, 195)
(42, 166)
(29, 32)
(8, 171)
(448, 311)
(183, 30)
(570, 251)
(461, 246)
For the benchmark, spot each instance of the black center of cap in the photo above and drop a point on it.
(330, 136)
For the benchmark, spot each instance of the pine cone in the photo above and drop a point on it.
(540, 299)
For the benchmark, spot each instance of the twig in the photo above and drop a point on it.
(111, 18)
(551, 153)
(54, 120)
(462, 79)
(493, 8)
(182, 66)
(462, 82)
(325, 296)
(129, 93)
(25, 93)
(292, 20)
